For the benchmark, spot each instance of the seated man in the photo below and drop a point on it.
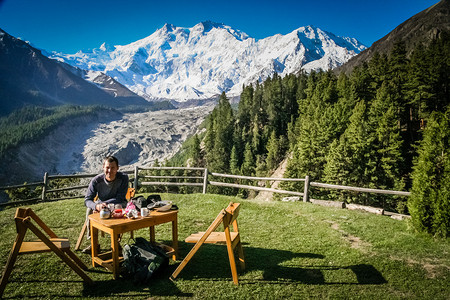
(110, 187)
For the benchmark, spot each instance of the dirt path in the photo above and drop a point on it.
(278, 173)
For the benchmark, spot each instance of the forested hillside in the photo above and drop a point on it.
(361, 129)
(32, 123)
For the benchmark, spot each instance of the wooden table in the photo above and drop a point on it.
(115, 227)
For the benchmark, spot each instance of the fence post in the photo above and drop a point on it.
(136, 177)
(306, 190)
(44, 187)
(205, 181)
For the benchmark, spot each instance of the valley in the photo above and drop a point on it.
(79, 145)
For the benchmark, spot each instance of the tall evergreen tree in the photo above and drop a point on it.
(384, 123)
(351, 161)
(273, 152)
(429, 203)
(245, 107)
(210, 137)
(439, 66)
(248, 166)
(195, 152)
(223, 125)
(234, 161)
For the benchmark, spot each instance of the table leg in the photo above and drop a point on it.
(152, 234)
(94, 244)
(175, 238)
(115, 254)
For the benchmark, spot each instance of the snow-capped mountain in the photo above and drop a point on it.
(178, 63)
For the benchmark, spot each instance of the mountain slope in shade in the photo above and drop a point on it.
(421, 28)
(210, 58)
(29, 78)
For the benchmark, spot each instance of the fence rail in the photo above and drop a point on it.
(18, 186)
(357, 189)
(198, 181)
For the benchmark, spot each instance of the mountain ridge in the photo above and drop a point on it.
(27, 77)
(421, 28)
(209, 58)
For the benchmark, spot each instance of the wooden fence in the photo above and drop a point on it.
(139, 178)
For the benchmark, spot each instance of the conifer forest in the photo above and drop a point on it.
(385, 125)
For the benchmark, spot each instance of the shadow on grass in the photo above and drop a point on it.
(159, 286)
(211, 263)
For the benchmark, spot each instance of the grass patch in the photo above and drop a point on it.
(292, 250)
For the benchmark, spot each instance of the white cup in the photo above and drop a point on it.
(111, 207)
(144, 212)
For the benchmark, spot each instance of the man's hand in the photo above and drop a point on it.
(99, 207)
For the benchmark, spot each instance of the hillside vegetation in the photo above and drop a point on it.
(292, 250)
(32, 123)
(364, 129)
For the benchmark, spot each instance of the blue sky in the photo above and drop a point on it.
(69, 26)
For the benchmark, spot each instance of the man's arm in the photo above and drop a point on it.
(90, 195)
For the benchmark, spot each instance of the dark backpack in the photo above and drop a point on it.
(139, 202)
(141, 260)
(153, 199)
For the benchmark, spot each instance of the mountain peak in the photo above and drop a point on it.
(208, 25)
(106, 47)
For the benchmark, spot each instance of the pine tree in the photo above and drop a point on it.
(210, 137)
(195, 153)
(338, 168)
(419, 89)
(397, 78)
(248, 166)
(429, 203)
(290, 105)
(351, 161)
(244, 114)
(273, 152)
(439, 70)
(384, 123)
(291, 134)
(219, 137)
(261, 167)
(378, 69)
(360, 80)
(234, 161)
(256, 135)
(273, 99)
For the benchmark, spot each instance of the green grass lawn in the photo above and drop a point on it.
(292, 250)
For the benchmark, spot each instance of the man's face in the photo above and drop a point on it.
(110, 170)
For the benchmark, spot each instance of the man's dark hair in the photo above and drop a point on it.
(111, 159)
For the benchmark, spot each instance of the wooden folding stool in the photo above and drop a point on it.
(47, 241)
(227, 216)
